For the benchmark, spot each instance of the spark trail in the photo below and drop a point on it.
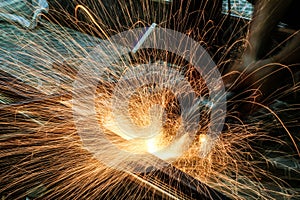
(49, 74)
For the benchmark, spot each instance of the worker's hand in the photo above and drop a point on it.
(255, 83)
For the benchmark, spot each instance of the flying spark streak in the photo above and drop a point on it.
(84, 117)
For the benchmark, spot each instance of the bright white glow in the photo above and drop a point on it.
(170, 152)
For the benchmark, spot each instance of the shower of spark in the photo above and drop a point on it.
(47, 77)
